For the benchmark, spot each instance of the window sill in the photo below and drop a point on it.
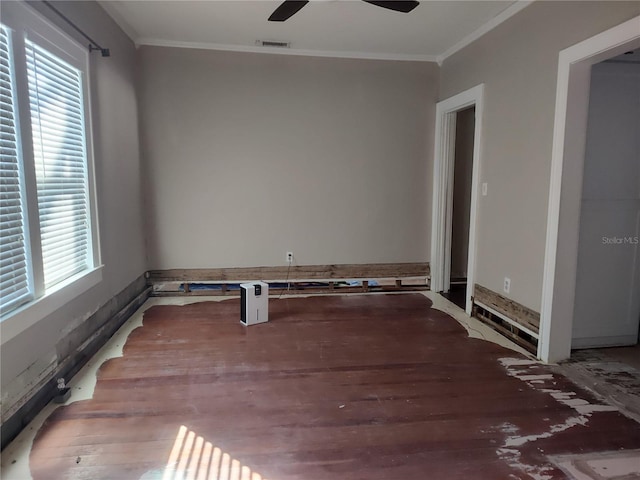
(24, 317)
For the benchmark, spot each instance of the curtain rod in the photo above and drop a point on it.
(93, 45)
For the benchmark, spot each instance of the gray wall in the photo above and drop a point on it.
(607, 302)
(250, 155)
(517, 62)
(247, 156)
(28, 359)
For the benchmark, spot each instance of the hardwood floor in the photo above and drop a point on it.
(345, 387)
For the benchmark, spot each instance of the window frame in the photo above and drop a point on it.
(24, 22)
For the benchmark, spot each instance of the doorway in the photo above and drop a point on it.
(565, 192)
(461, 206)
(455, 187)
(607, 300)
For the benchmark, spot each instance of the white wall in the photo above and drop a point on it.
(518, 61)
(251, 155)
(30, 357)
(607, 301)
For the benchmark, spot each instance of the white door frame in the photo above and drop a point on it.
(565, 192)
(443, 169)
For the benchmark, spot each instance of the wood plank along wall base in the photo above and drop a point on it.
(345, 387)
(523, 321)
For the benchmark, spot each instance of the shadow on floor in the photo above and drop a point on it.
(457, 294)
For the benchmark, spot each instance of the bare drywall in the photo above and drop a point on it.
(250, 156)
(29, 359)
(518, 63)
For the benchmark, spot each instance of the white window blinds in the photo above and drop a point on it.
(14, 277)
(57, 122)
(49, 241)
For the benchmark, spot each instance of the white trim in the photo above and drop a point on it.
(556, 315)
(503, 16)
(26, 22)
(510, 321)
(446, 195)
(19, 320)
(131, 32)
(155, 42)
(443, 188)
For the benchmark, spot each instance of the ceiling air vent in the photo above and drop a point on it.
(273, 43)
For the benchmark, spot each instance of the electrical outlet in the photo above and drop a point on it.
(507, 284)
(289, 257)
(484, 189)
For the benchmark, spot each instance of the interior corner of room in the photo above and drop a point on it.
(502, 174)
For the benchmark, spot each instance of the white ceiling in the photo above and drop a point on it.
(342, 28)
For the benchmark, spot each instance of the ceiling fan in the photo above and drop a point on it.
(288, 8)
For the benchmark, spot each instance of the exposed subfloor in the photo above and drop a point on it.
(351, 386)
(613, 373)
(627, 355)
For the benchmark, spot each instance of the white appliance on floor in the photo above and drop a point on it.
(254, 303)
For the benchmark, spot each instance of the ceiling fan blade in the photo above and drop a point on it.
(397, 6)
(287, 9)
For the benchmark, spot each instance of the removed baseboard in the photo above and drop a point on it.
(298, 279)
(515, 321)
(85, 341)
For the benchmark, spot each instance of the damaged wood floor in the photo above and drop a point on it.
(345, 387)
(614, 373)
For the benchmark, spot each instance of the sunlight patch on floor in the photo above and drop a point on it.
(15, 457)
(193, 458)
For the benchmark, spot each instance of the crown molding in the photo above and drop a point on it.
(286, 51)
(503, 16)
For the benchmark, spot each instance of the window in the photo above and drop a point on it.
(47, 220)
(14, 274)
(57, 129)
